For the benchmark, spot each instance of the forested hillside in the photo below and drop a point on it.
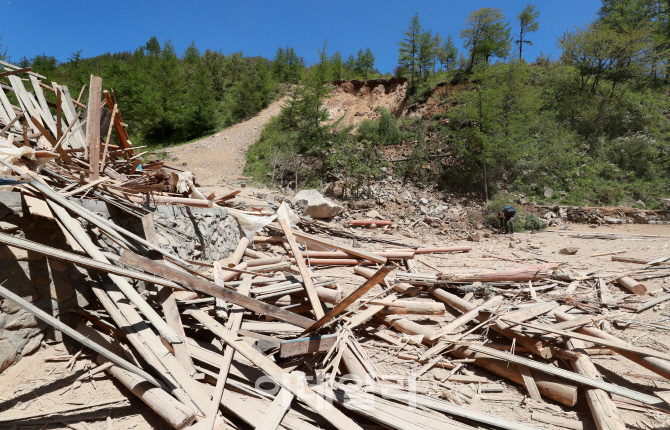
(589, 127)
(169, 97)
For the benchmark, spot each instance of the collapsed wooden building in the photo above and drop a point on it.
(194, 306)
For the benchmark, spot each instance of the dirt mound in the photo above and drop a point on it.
(357, 100)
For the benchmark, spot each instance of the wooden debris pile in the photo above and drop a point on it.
(203, 341)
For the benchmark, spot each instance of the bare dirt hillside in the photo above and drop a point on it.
(356, 100)
(221, 157)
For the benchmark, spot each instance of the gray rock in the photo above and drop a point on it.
(21, 319)
(7, 354)
(548, 192)
(570, 250)
(32, 345)
(640, 203)
(406, 196)
(316, 205)
(423, 201)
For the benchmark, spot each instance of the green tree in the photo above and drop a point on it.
(426, 56)
(408, 52)
(191, 54)
(364, 64)
(337, 65)
(600, 52)
(486, 35)
(449, 54)
(437, 51)
(527, 24)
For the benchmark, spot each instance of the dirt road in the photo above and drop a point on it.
(217, 158)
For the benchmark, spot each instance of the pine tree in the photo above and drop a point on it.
(409, 48)
(437, 51)
(337, 65)
(426, 57)
(450, 53)
(486, 35)
(279, 64)
(527, 24)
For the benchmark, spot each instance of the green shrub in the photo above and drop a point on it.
(522, 222)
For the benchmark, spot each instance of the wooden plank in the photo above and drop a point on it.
(304, 270)
(109, 136)
(600, 341)
(306, 345)
(83, 261)
(651, 303)
(23, 99)
(77, 139)
(529, 382)
(13, 67)
(344, 304)
(571, 376)
(234, 324)
(93, 125)
(38, 207)
(605, 413)
(40, 314)
(169, 305)
(121, 132)
(214, 290)
(277, 411)
(44, 107)
(285, 380)
(86, 186)
(16, 72)
(558, 421)
(137, 331)
(466, 317)
(526, 313)
(358, 252)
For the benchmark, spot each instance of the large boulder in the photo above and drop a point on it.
(316, 205)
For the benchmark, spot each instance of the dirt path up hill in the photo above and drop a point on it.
(222, 156)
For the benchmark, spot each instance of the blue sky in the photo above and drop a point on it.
(257, 27)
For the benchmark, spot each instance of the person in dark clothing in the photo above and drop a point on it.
(507, 215)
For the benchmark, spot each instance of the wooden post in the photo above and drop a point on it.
(604, 412)
(632, 285)
(93, 126)
(304, 270)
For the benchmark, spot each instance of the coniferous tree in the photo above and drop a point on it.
(450, 53)
(486, 35)
(337, 66)
(527, 24)
(408, 52)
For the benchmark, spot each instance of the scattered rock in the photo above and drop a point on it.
(373, 214)
(640, 203)
(7, 354)
(570, 250)
(548, 192)
(32, 345)
(316, 205)
(474, 237)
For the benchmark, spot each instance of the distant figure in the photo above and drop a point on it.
(507, 215)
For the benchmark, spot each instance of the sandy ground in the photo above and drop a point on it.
(35, 385)
(222, 156)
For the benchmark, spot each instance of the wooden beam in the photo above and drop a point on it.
(234, 324)
(599, 341)
(304, 270)
(278, 409)
(306, 345)
(466, 317)
(93, 127)
(344, 304)
(349, 250)
(572, 376)
(286, 380)
(212, 289)
(40, 314)
(16, 72)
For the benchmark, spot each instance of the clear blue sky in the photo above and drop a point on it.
(257, 27)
